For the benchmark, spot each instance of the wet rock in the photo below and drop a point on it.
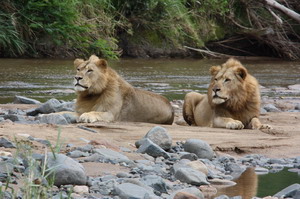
(271, 108)
(152, 149)
(53, 119)
(289, 191)
(192, 192)
(25, 100)
(200, 148)
(129, 190)
(66, 170)
(159, 136)
(6, 143)
(112, 156)
(191, 176)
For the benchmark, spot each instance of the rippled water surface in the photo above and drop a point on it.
(43, 78)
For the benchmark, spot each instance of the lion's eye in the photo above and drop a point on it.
(78, 69)
(216, 79)
(89, 71)
(227, 80)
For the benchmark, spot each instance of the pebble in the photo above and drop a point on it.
(199, 147)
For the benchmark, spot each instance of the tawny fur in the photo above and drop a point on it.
(102, 95)
(232, 101)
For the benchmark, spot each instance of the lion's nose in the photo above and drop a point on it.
(216, 89)
(78, 78)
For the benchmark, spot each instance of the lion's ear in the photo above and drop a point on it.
(93, 58)
(101, 63)
(77, 62)
(241, 72)
(214, 70)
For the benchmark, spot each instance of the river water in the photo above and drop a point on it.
(44, 79)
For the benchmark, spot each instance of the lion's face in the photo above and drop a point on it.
(227, 83)
(90, 75)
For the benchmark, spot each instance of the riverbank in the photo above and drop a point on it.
(115, 166)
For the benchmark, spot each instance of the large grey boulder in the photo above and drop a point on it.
(65, 170)
(199, 147)
(159, 136)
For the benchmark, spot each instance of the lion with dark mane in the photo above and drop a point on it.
(102, 95)
(232, 101)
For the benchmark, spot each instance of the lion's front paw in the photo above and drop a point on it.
(91, 117)
(236, 124)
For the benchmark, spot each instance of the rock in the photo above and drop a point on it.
(159, 136)
(85, 148)
(294, 87)
(297, 107)
(189, 156)
(288, 192)
(221, 182)
(112, 156)
(199, 147)
(261, 171)
(199, 166)
(77, 154)
(185, 195)
(152, 149)
(53, 119)
(105, 188)
(6, 143)
(271, 108)
(70, 117)
(193, 191)
(191, 176)
(66, 170)
(25, 100)
(14, 118)
(132, 191)
(81, 189)
(156, 182)
(52, 106)
(6, 167)
(263, 111)
(222, 197)
(235, 169)
(5, 153)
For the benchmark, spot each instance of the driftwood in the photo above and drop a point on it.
(292, 14)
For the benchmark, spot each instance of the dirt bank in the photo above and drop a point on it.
(283, 141)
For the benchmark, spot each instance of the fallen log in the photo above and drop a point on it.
(292, 14)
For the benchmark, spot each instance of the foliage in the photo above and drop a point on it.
(83, 27)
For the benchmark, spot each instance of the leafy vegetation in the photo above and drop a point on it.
(38, 28)
(52, 28)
